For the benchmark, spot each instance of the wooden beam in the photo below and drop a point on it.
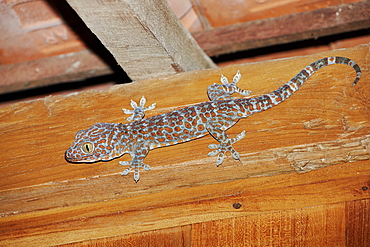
(52, 70)
(245, 197)
(146, 39)
(323, 128)
(285, 29)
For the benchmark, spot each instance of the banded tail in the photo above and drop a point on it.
(297, 81)
(269, 100)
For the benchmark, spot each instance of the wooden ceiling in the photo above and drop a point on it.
(46, 42)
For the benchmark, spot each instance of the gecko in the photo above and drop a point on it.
(107, 141)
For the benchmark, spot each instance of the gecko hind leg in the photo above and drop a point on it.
(233, 85)
(225, 144)
(224, 91)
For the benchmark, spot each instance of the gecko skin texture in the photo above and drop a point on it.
(106, 141)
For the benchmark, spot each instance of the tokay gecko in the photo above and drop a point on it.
(106, 141)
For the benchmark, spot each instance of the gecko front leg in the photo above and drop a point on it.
(138, 112)
(138, 155)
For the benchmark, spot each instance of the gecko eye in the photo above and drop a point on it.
(87, 147)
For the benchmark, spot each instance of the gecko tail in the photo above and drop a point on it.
(342, 60)
(319, 64)
(267, 101)
(297, 81)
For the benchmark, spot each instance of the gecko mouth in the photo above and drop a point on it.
(69, 157)
(78, 158)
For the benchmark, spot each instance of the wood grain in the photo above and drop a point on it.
(358, 222)
(146, 39)
(52, 70)
(176, 236)
(234, 11)
(285, 29)
(47, 201)
(186, 206)
(314, 226)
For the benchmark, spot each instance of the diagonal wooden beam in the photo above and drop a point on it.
(145, 37)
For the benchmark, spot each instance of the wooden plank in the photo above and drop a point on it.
(315, 129)
(166, 209)
(314, 226)
(146, 39)
(285, 29)
(331, 126)
(358, 221)
(52, 70)
(177, 236)
(341, 224)
(51, 201)
(223, 13)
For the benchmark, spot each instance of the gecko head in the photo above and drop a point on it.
(96, 143)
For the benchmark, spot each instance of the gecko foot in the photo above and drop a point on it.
(135, 167)
(232, 87)
(138, 112)
(225, 146)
